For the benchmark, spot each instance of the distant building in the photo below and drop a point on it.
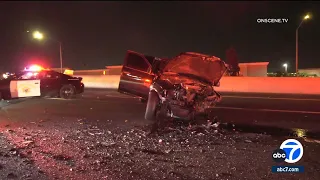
(310, 71)
(255, 69)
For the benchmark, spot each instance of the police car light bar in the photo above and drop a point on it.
(34, 68)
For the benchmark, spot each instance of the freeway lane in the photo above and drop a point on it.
(238, 108)
(261, 102)
(287, 111)
(272, 95)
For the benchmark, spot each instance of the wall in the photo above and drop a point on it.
(101, 81)
(287, 85)
(90, 72)
(110, 70)
(114, 71)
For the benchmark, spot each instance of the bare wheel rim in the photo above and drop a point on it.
(67, 92)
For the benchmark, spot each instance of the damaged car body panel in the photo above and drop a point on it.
(201, 66)
(181, 87)
(137, 74)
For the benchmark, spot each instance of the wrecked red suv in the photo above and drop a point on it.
(180, 87)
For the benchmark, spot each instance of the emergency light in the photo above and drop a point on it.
(34, 68)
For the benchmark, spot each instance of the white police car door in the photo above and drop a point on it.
(25, 87)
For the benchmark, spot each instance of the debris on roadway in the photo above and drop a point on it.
(174, 151)
(87, 145)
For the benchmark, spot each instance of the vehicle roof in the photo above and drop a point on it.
(151, 58)
(195, 54)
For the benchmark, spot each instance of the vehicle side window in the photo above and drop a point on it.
(49, 75)
(150, 59)
(29, 76)
(137, 62)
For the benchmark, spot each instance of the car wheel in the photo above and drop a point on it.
(4, 96)
(67, 91)
(152, 106)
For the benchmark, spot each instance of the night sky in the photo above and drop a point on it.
(96, 34)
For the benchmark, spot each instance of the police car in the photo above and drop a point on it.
(37, 81)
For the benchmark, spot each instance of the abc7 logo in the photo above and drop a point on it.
(290, 151)
(279, 155)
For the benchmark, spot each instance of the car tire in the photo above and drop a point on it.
(4, 96)
(152, 106)
(67, 91)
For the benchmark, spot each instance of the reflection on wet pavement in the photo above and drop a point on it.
(271, 130)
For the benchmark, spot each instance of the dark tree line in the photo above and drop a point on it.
(233, 62)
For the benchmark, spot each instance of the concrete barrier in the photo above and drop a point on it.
(282, 85)
(100, 81)
(286, 85)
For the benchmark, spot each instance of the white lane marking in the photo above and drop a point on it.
(117, 96)
(268, 110)
(250, 97)
(108, 96)
(109, 101)
(60, 99)
(92, 99)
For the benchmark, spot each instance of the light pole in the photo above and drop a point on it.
(285, 68)
(297, 49)
(39, 36)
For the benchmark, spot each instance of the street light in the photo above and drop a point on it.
(285, 67)
(306, 17)
(39, 36)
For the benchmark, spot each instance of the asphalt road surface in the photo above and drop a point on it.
(250, 109)
(103, 135)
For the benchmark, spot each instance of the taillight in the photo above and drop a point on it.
(147, 82)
